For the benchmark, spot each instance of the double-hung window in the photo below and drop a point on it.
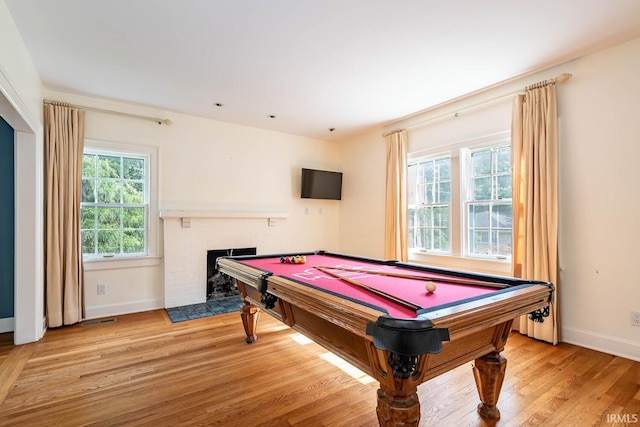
(459, 200)
(488, 204)
(429, 199)
(116, 203)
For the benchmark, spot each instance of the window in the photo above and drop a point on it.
(429, 198)
(489, 214)
(116, 202)
(459, 201)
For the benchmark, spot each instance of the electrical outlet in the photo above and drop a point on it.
(635, 318)
(102, 289)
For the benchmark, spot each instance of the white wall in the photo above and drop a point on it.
(600, 200)
(210, 165)
(599, 124)
(362, 207)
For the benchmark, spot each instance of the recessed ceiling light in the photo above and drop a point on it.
(332, 129)
(217, 104)
(272, 116)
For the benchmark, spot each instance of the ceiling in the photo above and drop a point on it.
(314, 65)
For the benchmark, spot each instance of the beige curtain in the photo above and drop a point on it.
(534, 139)
(396, 197)
(64, 144)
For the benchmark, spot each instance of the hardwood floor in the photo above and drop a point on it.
(144, 370)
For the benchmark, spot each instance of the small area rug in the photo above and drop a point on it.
(206, 309)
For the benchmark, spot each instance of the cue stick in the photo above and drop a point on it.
(418, 277)
(404, 303)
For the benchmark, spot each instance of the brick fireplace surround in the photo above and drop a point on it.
(188, 235)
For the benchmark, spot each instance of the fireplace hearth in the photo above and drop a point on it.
(219, 285)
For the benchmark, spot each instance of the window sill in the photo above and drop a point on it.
(117, 263)
(488, 266)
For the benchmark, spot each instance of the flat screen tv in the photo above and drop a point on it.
(319, 184)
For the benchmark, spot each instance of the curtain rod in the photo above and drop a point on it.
(167, 122)
(560, 79)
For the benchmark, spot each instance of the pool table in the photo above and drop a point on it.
(379, 316)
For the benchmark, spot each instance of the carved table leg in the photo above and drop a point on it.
(489, 373)
(398, 411)
(250, 315)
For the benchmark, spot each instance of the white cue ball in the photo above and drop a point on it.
(430, 287)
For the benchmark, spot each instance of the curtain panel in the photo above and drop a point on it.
(64, 145)
(396, 245)
(534, 139)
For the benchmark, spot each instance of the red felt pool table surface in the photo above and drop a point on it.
(411, 290)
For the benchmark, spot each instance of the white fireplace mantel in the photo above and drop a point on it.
(221, 214)
(190, 233)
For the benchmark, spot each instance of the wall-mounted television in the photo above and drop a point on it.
(320, 184)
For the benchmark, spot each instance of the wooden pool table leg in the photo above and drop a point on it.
(398, 410)
(250, 315)
(489, 371)
(398, 403)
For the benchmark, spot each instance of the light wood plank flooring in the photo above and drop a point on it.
(145, 371)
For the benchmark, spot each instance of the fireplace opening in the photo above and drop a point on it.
(219, 285)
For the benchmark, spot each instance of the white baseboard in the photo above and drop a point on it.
(7, 324)
(606, 344)
(100, 311)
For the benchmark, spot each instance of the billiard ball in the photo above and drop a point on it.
(282, 259)
(430, 286)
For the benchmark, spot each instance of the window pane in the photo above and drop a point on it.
(88, 241)
(132, 241)
(109, 218)
(426, 238)
(412, 182)
(478, 216)
(481, 189)
(503, 160)
(132, 168)
(88, 218)
(109, 191)
(481, 163)
(503, 242)
(88, 190)
(443, 168)
(88, 165)
(133, 218)
(425, 196)
(503, 187)
(444, 192)
(109, 241)
(411, 238)
(411, 218)
(479, 242)
(108, 167)
(426, 172)
(441, 239)
(501, 216)
(133, 192)
(441, 216)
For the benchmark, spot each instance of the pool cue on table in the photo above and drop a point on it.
(404, 303)
(419, 277)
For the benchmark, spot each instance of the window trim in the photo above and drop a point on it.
(151, 257)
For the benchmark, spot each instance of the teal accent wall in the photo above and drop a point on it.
(7, 219)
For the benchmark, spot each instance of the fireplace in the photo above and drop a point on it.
(220, 285)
